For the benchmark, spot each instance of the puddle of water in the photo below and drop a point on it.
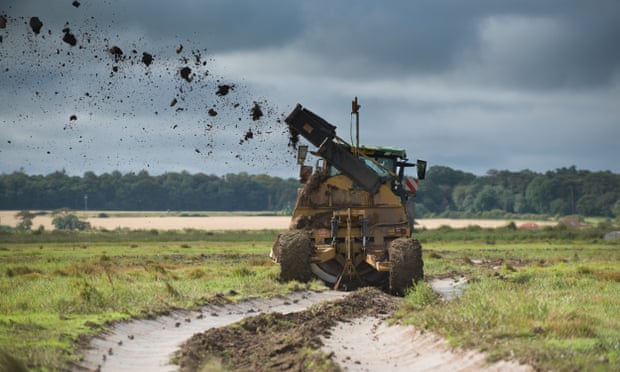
(449, 288)
(147, 345)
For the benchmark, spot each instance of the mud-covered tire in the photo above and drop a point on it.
(406, 263)
(295, 250)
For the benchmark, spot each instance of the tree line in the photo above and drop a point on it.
(143, 192)
(565, 191)
(445, 192)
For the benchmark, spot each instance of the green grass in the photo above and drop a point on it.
(511, 234)
(79, 238)
(553, 304)
(547, 296)
(55, 294)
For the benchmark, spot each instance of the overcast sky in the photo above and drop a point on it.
(472, 85)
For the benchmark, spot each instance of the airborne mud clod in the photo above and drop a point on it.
(69, 38)
(224, 89)
(186, 74)
(147, 58)
(117, 53)
(35, 25)
(257, 112)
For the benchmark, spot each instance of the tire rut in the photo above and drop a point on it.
(148, 344)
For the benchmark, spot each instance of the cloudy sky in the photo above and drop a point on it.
(472, 85)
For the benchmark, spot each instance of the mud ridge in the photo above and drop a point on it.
(279, 341)
(148, 344)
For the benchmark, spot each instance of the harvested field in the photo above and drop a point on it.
(158, 220)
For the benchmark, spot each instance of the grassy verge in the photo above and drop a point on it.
(551, 302)
(56, 293)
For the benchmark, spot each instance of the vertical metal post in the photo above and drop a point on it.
(355, 111)
(349, 267)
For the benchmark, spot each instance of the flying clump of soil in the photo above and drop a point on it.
(117, 53)
(147, 58)
(247, 136)
(293, 138)
(69, 38)
(186, 74)
(3, 22)
(224, 89)
(257, 112)
(35, 25)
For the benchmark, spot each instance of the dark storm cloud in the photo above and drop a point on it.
(536, 44)
(220, 24)
(548, 44)
(476, 85)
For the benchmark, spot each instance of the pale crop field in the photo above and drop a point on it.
(231, 221)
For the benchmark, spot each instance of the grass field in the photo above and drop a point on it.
(54, 294)
(550, 298)
(546, 296)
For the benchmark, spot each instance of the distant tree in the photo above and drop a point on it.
(487, 199)
(539, 193)
(65, 220)
(616, 210)
(463, 197)
(586, 205)
(25, 219)
(560, 206)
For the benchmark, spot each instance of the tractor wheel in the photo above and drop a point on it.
(406, 263)
(295, 250)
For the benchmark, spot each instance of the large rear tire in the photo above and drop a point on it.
(295, 251)
(407, 267)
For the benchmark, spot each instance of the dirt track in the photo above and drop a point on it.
(148, 345)
(345, 331)
(370, 344)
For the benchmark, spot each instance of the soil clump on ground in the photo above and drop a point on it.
(276, 341)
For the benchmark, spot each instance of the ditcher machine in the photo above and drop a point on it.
(353, 220)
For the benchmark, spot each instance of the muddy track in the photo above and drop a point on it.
(330, 330)
(148, 344)
(370, 344)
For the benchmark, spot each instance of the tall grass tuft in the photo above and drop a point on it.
(21, 271)
(9, 363)
(420, 296)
